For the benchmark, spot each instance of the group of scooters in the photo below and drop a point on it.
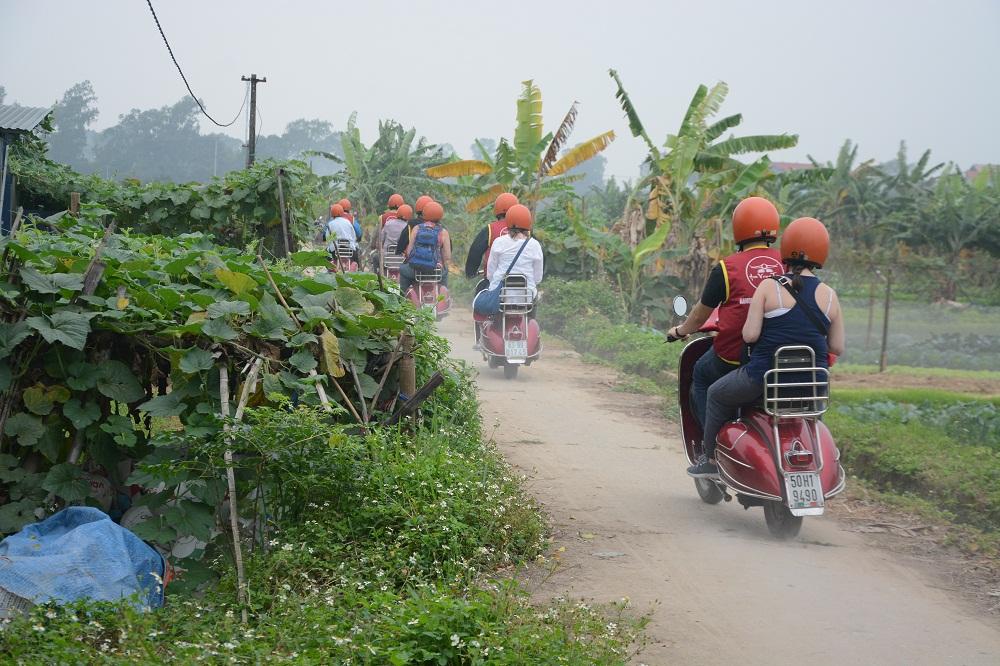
(509, 340)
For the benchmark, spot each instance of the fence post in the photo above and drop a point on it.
(883, 361)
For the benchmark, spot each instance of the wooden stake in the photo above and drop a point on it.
(284, 213)
(74, 203)
(234, 519)
(407, 368)
(357, 387)
(277, 291)
(385, 374)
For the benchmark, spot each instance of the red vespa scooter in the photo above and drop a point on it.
(342, 260)
(778, 454)
(428, 292)
(511, 338)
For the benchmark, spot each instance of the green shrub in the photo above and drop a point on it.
(933, 444)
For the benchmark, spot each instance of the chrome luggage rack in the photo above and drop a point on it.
(515, 297)
(390, 260)
(783, 398)
(424, 276)
(343, 249)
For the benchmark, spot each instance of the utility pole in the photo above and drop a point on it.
(252, 139)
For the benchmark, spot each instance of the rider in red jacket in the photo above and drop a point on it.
(730, 288)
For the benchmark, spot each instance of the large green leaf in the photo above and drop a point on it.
(116, 381)
(11, 335)
(69, 328)
(650, 244)
(219, 330)
(40, 399)
(228, 308)
(26, 428)
(303, 361)
(81, 415)
(196, 360)
(190, 519)
(66, 480)
(238, 283)
(331, 353)
(528, 132)
(170, 404)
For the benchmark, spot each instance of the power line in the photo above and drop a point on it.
(184, 78)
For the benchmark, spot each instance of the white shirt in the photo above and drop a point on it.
(529, 264)
(340, 228)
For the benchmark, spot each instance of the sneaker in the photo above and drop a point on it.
(703, 469)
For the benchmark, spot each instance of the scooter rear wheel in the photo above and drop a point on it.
(708, 491)
(510, 371)
(780, 521)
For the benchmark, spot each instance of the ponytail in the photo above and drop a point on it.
(796, 272)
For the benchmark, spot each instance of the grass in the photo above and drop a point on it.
(912, 371)
(392, 559)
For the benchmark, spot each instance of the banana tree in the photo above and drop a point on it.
(530, 166)
(695, 179)
(395, 162)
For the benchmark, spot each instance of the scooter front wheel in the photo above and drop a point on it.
(780, 521)
(708, 491)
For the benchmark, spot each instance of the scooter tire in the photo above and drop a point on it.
(780, 521)
(510, 371)
(708, 491)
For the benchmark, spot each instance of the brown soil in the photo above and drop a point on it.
(980, 387)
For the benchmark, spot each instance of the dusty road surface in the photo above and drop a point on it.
(633, 526)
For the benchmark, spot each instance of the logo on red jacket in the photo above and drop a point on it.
(762, 268)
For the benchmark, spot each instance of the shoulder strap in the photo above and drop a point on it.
(785, 282)
(517, 256)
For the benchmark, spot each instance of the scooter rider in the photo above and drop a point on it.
(530, 263)
(404, 236)
(394, 226)
(340, 228)
(377, 245)
(395, 201)
(730, 287)
(346, 203)
(429, 248)
(791, 309)
(479, 251)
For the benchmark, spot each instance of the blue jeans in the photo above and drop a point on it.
(407, 276)
(725, 398)
(708, 370)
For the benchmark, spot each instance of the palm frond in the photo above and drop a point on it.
(528, 132)
(694, 110)
(758, 143)
(460, 168)
(716, 129)
(582, 152)
(485, 154)
(481, 200)
(750, 177)
(504, 166)
(634, 124)
(324, 154)
(558, 140)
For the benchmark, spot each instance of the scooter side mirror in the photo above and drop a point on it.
(680, 306)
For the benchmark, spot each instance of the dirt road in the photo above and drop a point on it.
(633, 526)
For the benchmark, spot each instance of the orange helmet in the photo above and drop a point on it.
(336, 210)
(519, 217)
(395, 201)
(346, 203)
(404, 212)
(422, 201)
(503, 203)
(805, 242)
(755, 218)
(433, 211)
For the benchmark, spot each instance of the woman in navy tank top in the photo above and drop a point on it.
(776, 319)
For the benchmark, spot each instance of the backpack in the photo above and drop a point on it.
(425, 247)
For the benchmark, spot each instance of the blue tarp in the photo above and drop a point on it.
(80, 553)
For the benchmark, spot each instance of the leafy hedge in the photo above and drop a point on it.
(234, 209)
(93, 383)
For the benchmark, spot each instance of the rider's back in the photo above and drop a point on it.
(790, 325)
(744, 272)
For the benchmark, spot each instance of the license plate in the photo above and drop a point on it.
(804, 490)
(515, 349)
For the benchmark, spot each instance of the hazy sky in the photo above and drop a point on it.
(876, 72)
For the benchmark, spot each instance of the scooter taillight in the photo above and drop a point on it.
(798, 455)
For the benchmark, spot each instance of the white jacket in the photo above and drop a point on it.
(340, 228)
(529, 264)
